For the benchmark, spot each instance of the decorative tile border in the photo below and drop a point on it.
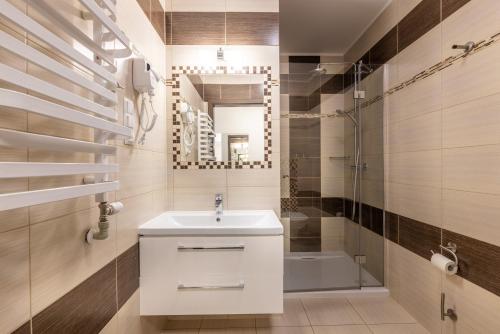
(177, 71)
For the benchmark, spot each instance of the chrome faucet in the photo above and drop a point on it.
(218, 206)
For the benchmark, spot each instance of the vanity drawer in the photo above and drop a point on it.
(211, 275)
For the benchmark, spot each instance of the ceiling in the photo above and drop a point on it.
(325, 26)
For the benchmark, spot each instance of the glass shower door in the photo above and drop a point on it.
(321, 243)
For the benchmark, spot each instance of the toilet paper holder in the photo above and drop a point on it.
(452, 249)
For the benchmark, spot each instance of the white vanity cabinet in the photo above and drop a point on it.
(192, 275)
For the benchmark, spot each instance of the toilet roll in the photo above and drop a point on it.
(444, 264)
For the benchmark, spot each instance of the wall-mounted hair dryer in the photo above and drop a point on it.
(145, 80)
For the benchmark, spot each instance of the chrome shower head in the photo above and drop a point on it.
(319, 70)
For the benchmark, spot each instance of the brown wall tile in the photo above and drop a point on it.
(305, 127)
(332, 84)
(332, 206)
(392, 226)
(24, 329)
(85, 309)
(305, 244)
(198, 28)
(478, 261)
(252, 28)
(158, 18)
(451, 6)
(425, 16)
(145, 6)
(385, 49)
(305, 228)
(127, 266)
(168, 28)
(418, 237)
(235, 92)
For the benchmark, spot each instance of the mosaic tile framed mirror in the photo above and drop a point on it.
(222, 117)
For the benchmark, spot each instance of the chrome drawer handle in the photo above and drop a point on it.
(181, 286)
(195, 248)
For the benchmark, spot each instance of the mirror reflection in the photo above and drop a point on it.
(222, 117)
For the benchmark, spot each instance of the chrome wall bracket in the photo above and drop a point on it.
(450, 313)
(467, 47)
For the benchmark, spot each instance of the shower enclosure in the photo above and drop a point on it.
(332, 174)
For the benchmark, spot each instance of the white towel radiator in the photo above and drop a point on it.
(58, 103)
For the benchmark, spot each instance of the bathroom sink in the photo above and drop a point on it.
(232, 222)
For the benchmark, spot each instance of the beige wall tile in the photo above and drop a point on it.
(199, 178)
(472, 77)
(419, 287)
(197, 198)
(477, 308)
(268, 177)
(415, 134)
(254, 198)
(472, 169)
(253, 5)
(198, 6)
(475, 21)
(60, 258)
(14, 285)
(137, 210)
(472, 214)
(372, 245)
(472, 123)
(421, 168)
(419, 98)
(332, 186)
(420, 55)
(136, 167)
(415, 202)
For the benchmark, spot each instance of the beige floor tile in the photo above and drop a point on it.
(398, 329)
(293, 315)
(285, 330)
(228, 323)
(376, 310)
(331, 311)
(183, 324)
(349, 329)
(180, 331)
(228, 331)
